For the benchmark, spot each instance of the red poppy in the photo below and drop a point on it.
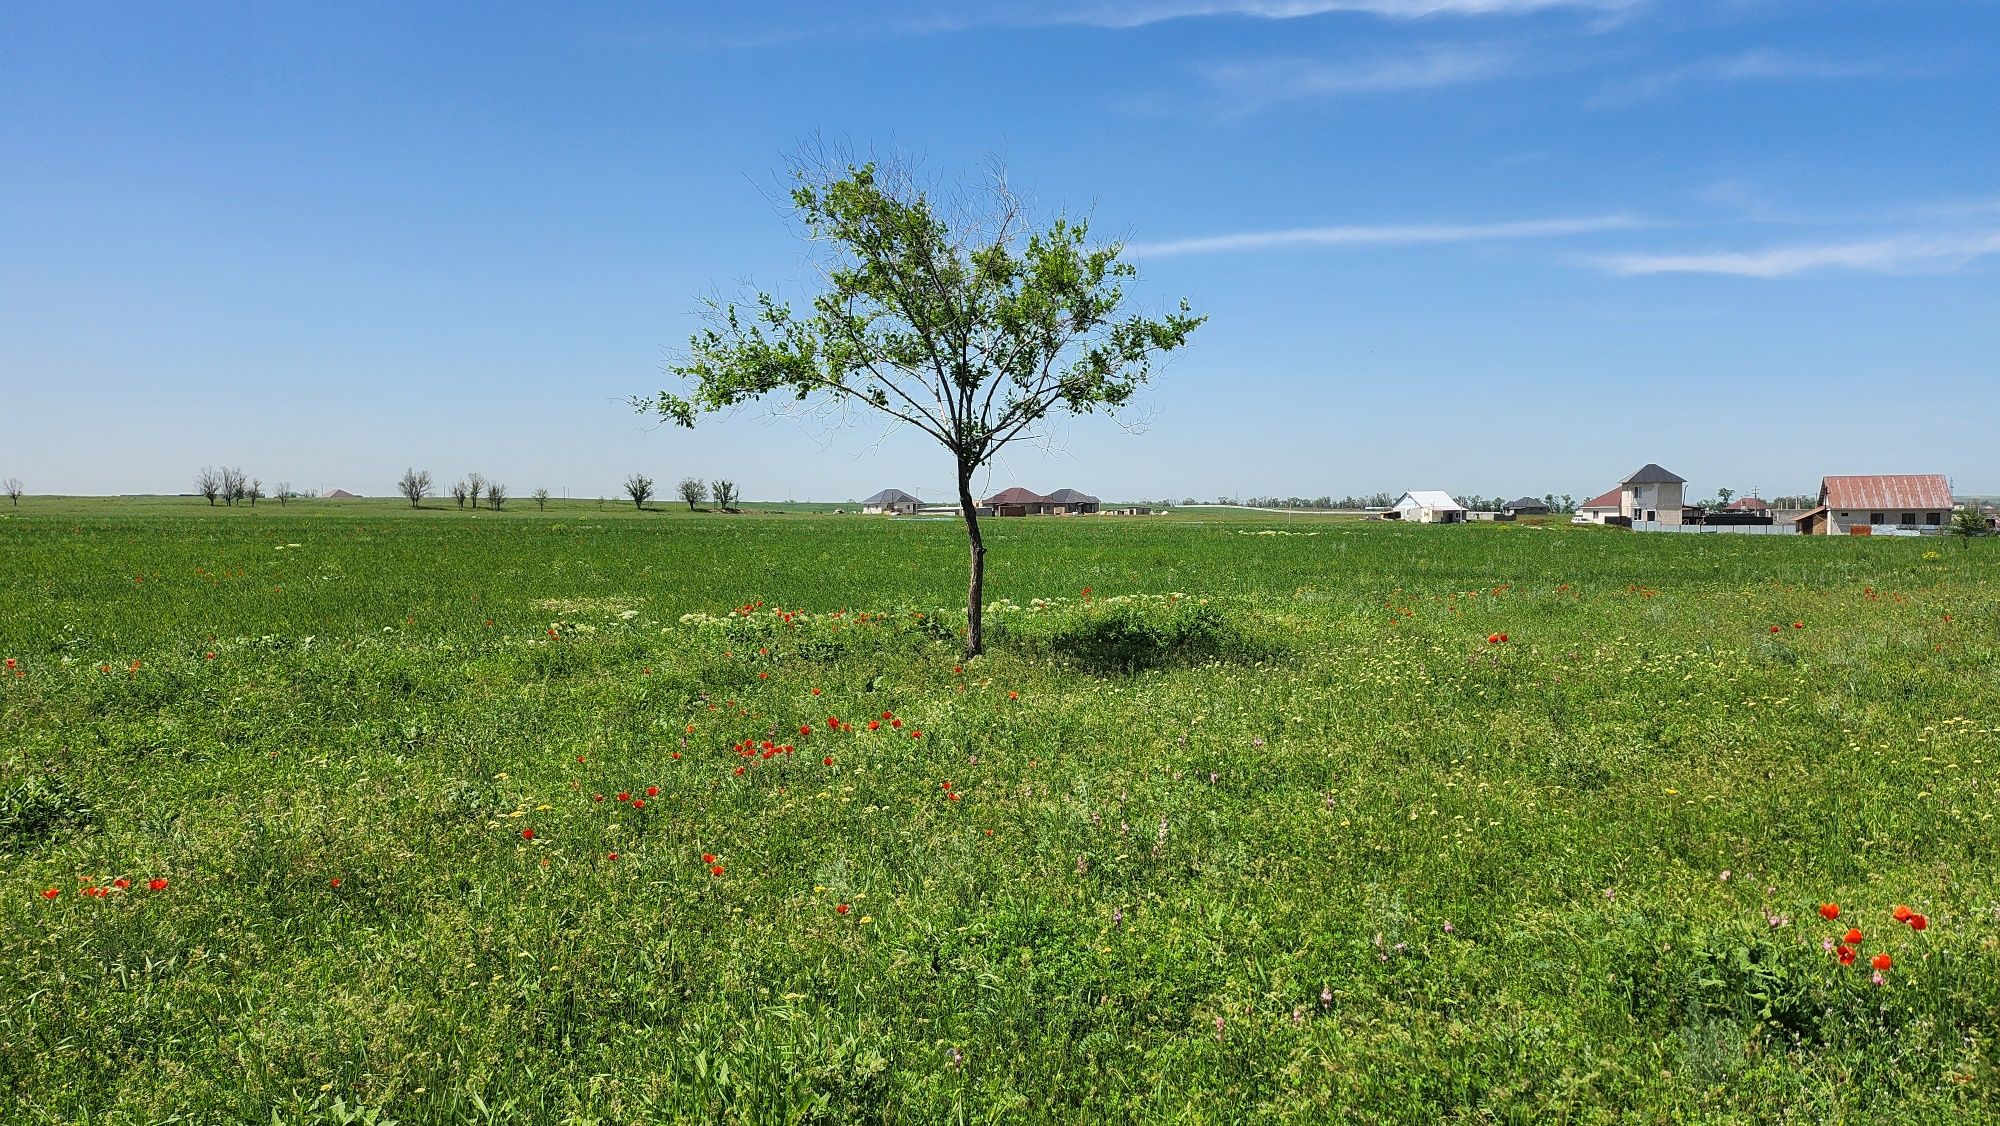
(121, 883)
(1901, 913)
(874, 725)
(954, 796)
(739, 772)
(597, 797)
(51, 893)
(947, 785)
(10, 662)
(763, 676)
(1829, 910)
(827, 761)
(1798, 625)
(715, 871)
(916, 734)
(1846, 955)
(638, 803)
(677, 754)
(1013, 695)
(708, 858)
(805, 730)
(1492, 639)
(552, 633)
(1774, 629)
(157, 884)
(956, 669)
(95, 892)
(895, 723)
(1918, 922)
(334, 882)
(1881, 961)
(841, 909)
(610, 856)
(833, 722)
(527, 834)
(652, 791)
(624, 795)
(1852, 937)
(815, 691)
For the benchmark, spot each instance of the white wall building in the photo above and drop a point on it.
(1652, 494)
(1427, 506)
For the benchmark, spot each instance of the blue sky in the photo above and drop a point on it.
(1493, 246)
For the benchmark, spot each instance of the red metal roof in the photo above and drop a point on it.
(1749, 504)
(1018, 495)
(1907, 491)
(1608, 500)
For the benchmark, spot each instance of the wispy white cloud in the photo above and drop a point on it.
(1248, 86)
(1897, 254)
(1389, 235)
(1760, 65)
(1140, 13)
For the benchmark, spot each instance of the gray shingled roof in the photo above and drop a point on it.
(890, 496)
(1527, 502)
(1072, 496)
(1651, 474)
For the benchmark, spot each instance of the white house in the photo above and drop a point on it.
(1427, 506)
(1900, 500)
(1598, 509)
(1652, 494)
(891, 501)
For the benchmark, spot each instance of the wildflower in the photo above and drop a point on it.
(1724, 877)
(841, 909)
(1826, 944)
(121, 883)
(708, 858)
(611, 856)
(677, 754)
(210, 656)
(638, 803)
(739, 772)
(716, 870)
(1492, 639)
(1447, 926)
(1798, 625)
(1013, 695)
(51, 893)
(1881, 962)
(1774, 629)
(652, 791)
(156, 884)
(624, 795)
(805, 730)
(1845, 954)
(1852, 937)
(897, 723)
(527, 834)
(1901, 914)
(956, 1058)
(1829, 911)
(815, 691)
(10, 662)
(1918, 922)
(335, 882)
(1117, 914)
(1877, 978)
(916, 734)
(874, 725)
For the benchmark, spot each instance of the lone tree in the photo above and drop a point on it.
(693, 491)
(414, 486)
(283, 493)
(640, 488)
(13, 487)
(971, 326)
(541, 499)
(724, 493)
(208, 483)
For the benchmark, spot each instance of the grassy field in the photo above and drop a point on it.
(1253, 819)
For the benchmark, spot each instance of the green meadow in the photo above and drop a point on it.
(1242, 818)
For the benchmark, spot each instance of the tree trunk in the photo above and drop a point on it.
(975, 602)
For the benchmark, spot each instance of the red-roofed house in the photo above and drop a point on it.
(1849, 505)
(1599, 509)
(1018, 501)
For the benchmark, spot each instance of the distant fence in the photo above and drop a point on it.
(1717, 529)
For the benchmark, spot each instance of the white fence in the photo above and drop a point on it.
(1718, 529)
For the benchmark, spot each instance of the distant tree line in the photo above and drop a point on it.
(1472, 501)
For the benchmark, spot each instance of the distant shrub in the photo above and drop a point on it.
(1121, 636)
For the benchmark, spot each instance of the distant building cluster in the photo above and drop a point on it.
(1015, 501)
(1653, 498)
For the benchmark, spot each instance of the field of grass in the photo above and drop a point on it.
(1253, 819)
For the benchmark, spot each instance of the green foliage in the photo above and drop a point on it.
(1417, 875)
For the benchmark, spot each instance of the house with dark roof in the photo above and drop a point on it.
(1073, 501)
(1654, 495)
(1018, 501)
(1857, 505)
(891, 501)
(1527, 506)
